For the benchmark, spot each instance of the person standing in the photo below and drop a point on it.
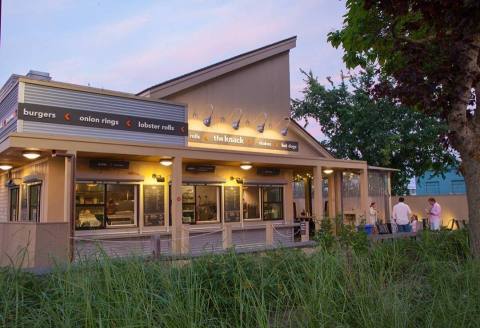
(401, 215)
(373, 213)
(435, 214)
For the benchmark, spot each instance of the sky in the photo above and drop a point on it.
(128, 45)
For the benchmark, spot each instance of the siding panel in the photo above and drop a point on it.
(51, 96)
(249, 238)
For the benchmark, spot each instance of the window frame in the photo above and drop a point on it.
(105, 225)
(219, 203)
(454, 184)
(282, 202)
(29, 201)
(429, 185)
(240, 206)
(17, 207)
(165, 219)
(260, 203)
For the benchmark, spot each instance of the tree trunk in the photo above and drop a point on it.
(471, 172)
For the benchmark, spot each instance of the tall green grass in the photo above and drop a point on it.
(431, 282)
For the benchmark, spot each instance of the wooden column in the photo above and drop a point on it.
(364, 205)
(288, 202)
(338, 193)
(332, 210)
(176, 192)
(317, 196)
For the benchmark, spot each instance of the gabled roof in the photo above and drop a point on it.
(210, 72)
(311, 139)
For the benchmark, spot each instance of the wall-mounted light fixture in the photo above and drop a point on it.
(261, 126)
(246, 166)
(328, 171)
(284, 131)
(237, 180)
(159, 178)
(236, 123)
(166, 161)
(31, 154)
(5, 167)
(208, 120)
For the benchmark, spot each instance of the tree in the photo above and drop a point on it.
(377, 130)
(429, 52)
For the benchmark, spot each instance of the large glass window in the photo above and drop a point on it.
(201, 203)
(34, 202)
(154, 205)
(100, 205)
(232, 204)
(24, 202)
(14, 203)
(251, 203)
(120, 204)
(188, 204)
(29, 198)
(272, 203)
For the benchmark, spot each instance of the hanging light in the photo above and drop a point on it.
(284, 131)
(208, 121)
(236, 123)
(261, 126)
(5, 167)
(328, 171)
(246, 166)
(166, 162)
(30, 154)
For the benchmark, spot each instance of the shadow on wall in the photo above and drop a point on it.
(453, 206)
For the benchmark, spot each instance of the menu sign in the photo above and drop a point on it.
(241, 141)
(59, 115)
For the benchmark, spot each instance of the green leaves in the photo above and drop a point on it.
(378, 130)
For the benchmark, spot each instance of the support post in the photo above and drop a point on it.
(176, 194)
(185, 242)
(331, 196)
(364, 193)
(304, 231)
(317, 196)
(227, 236)
(269, 234)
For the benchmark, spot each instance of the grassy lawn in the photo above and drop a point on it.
(431, 282)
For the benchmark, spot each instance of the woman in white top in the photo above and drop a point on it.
(373, 213)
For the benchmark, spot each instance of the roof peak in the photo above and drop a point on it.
(268, 51)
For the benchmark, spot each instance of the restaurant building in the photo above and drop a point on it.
(203, 162)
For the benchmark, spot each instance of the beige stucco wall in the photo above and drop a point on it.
(453, 206)
(28, 244)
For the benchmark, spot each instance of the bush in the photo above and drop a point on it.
(430, 282)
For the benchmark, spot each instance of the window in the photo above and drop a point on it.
(14, 202)
(432, 187)
(299, 189)
(200, 203)
(458, 187)
(34, 202)
(30, 197)
(188, 204)
(232, 204)
(153, 205)
(272, 203)
(251, 203)
(100, 205)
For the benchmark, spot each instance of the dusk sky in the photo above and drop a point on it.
(130, 45)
